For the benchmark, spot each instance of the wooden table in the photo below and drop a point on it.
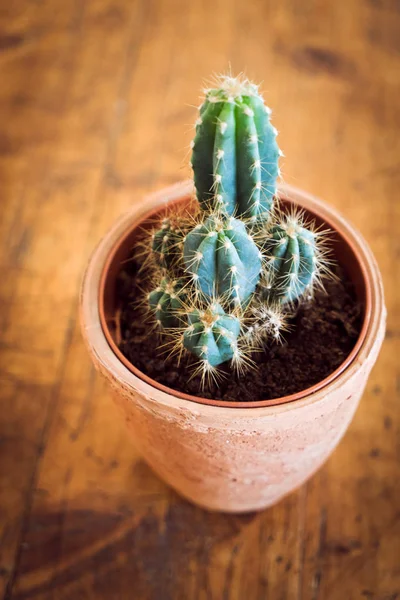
(96, 105)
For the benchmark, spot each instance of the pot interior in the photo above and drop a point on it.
(341, 251)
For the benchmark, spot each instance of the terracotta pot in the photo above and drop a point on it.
(232, 457)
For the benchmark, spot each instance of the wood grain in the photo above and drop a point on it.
(96, 105)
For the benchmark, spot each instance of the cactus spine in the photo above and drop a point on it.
(166, 245)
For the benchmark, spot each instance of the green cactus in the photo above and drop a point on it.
(234, 152)
(230, 273)
(223, 259)
(166, 244)
(212, 335)
(166, 301)
(292, 261)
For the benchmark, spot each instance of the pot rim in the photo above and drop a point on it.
(132, 376)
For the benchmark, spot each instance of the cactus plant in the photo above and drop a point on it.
(223, 258)
(166, 301)
(235, 154)
(165, 244)
(292, 260)
(229, 279)
(212, 335)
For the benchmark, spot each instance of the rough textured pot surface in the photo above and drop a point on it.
(231, 458)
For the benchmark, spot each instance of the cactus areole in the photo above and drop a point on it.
(226, 279)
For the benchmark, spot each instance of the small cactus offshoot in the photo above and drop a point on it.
(166, 244)
(166, 301)
(228, 278)
(292, 262)
(211, 334)
(266, 322)
(223, 258)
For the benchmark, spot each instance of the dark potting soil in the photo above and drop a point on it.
(323, 334)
